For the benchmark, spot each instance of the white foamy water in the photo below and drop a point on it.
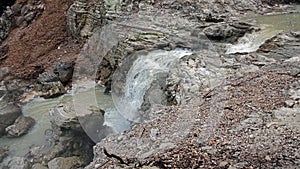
(270, 26)
(142, 73)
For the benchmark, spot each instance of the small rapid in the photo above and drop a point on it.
(144, 70)
(270, 26)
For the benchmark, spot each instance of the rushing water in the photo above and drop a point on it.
(138, 80)
(143, 72)
(270, 26)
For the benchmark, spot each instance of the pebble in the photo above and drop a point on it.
(268, 158)
(231, 167)
(289, 103)
(242, 164)
(223, 164)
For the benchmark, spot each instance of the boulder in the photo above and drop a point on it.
(64, 71)
(21, 126)
(9, 112)
(65, 163)
(47, 77)
(19, 163)
(90, 122)
(226, 31)
(52, 89)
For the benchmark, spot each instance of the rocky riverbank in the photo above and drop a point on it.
(218, 110)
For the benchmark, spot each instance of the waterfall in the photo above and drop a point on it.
(270, 26)
(144, 70)
(251, 42)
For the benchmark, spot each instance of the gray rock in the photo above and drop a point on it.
(16, 9)
(91, 121)
(47, 77)
(282, 47)
(4, 71)
(192, 74)
(9, 112)
(19, 163)
(38, 166)
(289, 103)
(223, 164)
(65, 163)
(64, 71)
(29, 17)
(52, 89)
(19, 20)
(288, 116)
(226, 31)
(5, 26)
(3, 153)
(25, 9)
(83, 24)
(290, 68)
(21, 126)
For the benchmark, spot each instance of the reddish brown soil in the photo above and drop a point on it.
(36, 47)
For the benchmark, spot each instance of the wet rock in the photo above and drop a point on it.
(9, 112)
(38, 166)
(68, 137)
(21, 126)
(192, 75)
(64, 71)
(65, 163)
(282, 47)
(91, 121)
(43, 154)
(155, 95)
(226, 32)
(52, 89)
(3, 153)
(19, 163)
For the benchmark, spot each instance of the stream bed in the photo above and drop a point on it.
(38, 108)
(270, 26)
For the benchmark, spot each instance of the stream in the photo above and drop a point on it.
(270, 26)
(138, 80)
(38, 109)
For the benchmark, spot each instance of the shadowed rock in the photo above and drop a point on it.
(21, 126)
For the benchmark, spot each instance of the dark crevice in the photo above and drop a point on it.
(4, 4)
